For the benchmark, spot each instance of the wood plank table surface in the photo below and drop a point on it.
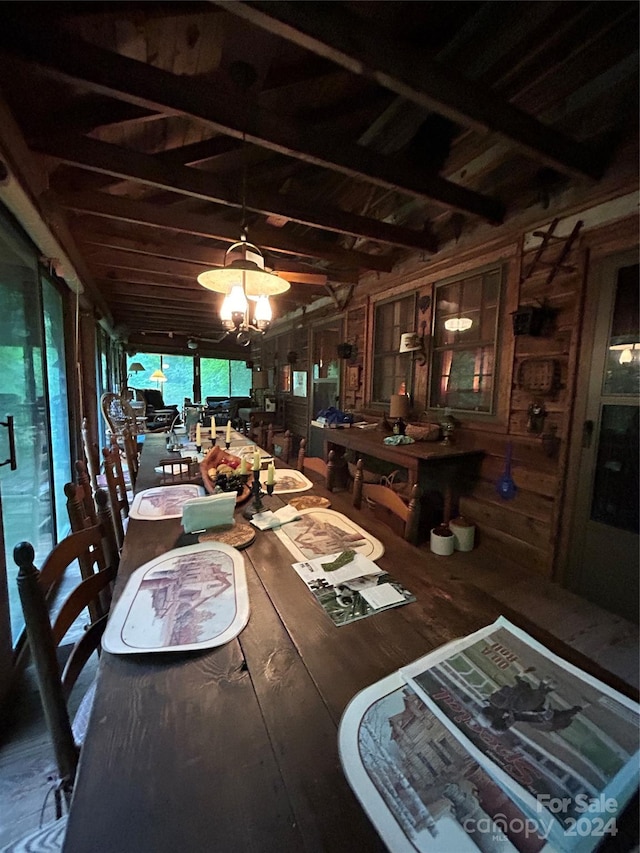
(235, 748)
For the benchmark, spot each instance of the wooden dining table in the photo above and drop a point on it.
(235, 748)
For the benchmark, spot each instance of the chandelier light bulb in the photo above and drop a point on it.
(263, 312)
(458, 324)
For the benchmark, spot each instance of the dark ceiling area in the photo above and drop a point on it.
(352, 134)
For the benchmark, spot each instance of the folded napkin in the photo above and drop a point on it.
(210, 511)
(399, 439)
(269, 520)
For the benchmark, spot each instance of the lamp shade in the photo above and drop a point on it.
(259, 379)
(158, 376)
(246, 270)
(136, 367)
(410, 342)
(399, 406)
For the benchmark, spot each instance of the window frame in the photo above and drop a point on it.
(376, 357)
(499, 267)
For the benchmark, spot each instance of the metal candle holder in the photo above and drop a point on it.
(256, 504)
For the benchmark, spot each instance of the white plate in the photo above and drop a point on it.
(189, 598)
(325, 531)
(163, 501)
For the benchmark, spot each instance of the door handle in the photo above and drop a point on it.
(12, 443)
(587, 434)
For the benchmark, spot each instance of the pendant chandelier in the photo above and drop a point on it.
(242, 279)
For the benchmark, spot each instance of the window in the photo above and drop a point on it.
(391, 370)
(464, 343)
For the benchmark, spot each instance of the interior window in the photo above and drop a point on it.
(464, 343)
(391, 369)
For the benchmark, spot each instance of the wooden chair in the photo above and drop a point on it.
(92, 455)
(85, 513)
(117, 489)
(314, 465)
(55, 683)
(81, 517)
(283, 449)
(387, 505)
(132, 455)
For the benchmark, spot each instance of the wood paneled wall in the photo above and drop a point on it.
(528, 528)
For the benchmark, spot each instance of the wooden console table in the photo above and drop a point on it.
(436, 467)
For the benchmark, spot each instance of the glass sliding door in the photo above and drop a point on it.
(32, 388)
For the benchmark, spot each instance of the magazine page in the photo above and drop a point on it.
(421, 788)
(562, 743)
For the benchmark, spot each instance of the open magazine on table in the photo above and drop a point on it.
(492, 743)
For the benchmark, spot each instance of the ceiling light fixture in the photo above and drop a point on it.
(458, 324)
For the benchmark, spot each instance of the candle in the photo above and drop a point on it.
(198, 436)
(213, 427)
(243, 466)
(271, 474)
(228, 435)
(256, 461)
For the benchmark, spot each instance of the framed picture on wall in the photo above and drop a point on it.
(285, 378)
(299, 383)
(353, 377)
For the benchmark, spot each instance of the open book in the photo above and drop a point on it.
(492, 743)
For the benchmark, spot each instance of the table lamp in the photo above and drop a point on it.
(399, 409)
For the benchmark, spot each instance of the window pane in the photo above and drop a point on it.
(462, 375)
(615, 488)
(623, 360)
(240, 379)
(58, 403)
(391, 370)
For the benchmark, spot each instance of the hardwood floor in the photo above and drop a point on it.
(26, 754)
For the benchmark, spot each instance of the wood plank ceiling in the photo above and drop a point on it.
(356, 132)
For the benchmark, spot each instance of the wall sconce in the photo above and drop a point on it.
(412, 342)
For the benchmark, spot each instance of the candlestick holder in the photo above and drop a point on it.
(198, 448)
(257, 494)
(227, 444)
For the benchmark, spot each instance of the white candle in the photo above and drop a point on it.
(198, 436)
(228, 436)
(256, 461)
(243, 466)
(213, 427)
(271, 474)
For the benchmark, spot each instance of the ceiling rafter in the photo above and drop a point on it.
(212, 227)
(125, 164)
(327, 30)
(154, 89)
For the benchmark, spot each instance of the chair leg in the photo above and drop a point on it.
(357, 485)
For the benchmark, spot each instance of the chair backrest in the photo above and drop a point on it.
(131, 454)
(117, 490)
(113, 412)
(80, 519)
(91, 454)
(44, 636)
(387, 504)
(85, 513)
(283, 448)
(315, 465)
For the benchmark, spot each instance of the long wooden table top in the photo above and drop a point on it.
(235, 748)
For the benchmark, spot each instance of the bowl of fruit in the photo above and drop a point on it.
(221, 473)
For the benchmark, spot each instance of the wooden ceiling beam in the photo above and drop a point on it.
(152, 88)
(126, 164)
(214, 228)
(328, 31)
(191, 253)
